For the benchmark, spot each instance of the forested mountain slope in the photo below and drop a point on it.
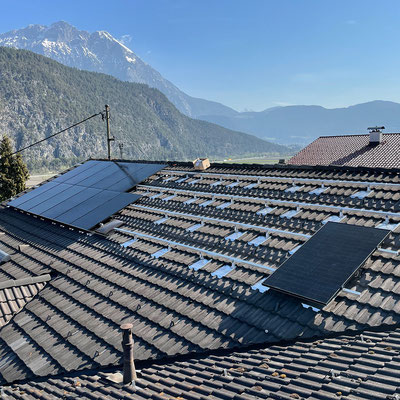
(39, 96)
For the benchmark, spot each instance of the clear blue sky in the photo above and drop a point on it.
(247, 54)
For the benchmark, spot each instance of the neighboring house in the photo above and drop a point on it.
(382, 151)
(186, 262)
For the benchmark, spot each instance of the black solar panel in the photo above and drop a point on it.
(110, 175)
(323, 265)
(88, 194)
(76, 171)
(56, 199)
(32, 194)
(104, 210)
(52, 191)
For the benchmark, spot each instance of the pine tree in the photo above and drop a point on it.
(13, 171)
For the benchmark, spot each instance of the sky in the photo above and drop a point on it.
(247, 54)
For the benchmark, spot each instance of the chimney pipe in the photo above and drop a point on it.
(129, 373)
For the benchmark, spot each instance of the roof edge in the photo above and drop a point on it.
(355, 134)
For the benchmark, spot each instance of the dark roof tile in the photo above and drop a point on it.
(351, 150)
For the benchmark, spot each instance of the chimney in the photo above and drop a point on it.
(375, 135)
(129, 373)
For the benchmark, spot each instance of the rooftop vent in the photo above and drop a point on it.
(375, 135)
(109, 226)
(129, 371)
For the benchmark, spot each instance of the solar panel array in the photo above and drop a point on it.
(326, 262)
(87, 194)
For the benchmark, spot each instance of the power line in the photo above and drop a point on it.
(57, 133)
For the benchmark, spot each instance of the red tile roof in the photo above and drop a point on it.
(351, 150)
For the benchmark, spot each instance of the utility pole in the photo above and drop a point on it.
(109, 138)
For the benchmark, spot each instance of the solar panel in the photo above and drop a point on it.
(106, 209)
(321, 267)
(86, 173)
(54, 190)
(75, 171)
(111, 175)
(88, 194)
(99, 176)
(73, 202)
(30, 195)
(96, 199)
(59, 198)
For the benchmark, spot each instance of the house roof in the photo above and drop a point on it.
(351, 150)
(352, 367)
(144, 272)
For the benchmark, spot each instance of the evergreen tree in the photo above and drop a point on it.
(13, 171)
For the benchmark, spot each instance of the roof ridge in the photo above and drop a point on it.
(25, 281)
(355, 134)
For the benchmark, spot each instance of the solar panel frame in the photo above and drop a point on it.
(318, 270)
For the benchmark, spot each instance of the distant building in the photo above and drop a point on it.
(374, 150)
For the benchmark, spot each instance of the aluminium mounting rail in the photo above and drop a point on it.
(197, 249)
(133, 205)
(274, 201)
(276, 178)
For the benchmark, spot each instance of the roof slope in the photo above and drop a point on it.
(351, 367)
(351, 150)
(15, 294)
(101, 282)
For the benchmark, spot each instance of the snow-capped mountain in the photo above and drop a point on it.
(101, 52)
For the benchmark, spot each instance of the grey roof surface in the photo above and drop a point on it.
(102, 281)
(14, 294)
(347, 367)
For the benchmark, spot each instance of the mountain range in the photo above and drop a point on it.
(39, 96)
(101, 52)
(303, 124)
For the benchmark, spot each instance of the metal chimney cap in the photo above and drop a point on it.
(126, 326)
(375, 128)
